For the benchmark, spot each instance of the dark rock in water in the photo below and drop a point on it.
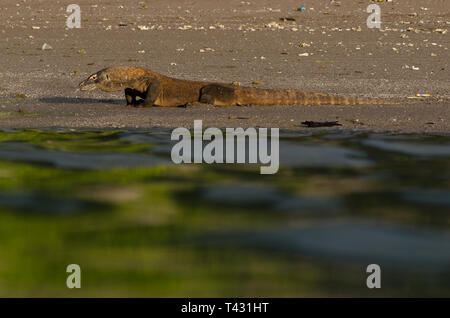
(270, 198)
(321, 155)
(359, 242)
(43, 204)
(236, 194)
(76, 160)
(430, 197)
(409, 148)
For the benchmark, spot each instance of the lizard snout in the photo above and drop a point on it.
(87, 85)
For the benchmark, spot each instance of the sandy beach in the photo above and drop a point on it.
(328, 49)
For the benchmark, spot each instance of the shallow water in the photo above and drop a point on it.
(139, 225)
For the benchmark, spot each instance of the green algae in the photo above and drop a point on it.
(136, 231)
(72, 140)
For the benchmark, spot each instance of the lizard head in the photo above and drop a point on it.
(101, 80)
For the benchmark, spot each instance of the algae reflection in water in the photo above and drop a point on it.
(138, 225)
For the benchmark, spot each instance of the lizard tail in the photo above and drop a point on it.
(269, 97)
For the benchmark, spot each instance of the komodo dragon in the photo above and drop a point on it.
(159, 90)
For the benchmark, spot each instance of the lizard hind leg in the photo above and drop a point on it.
(218, 95)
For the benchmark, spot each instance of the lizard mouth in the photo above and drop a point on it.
(85, 86)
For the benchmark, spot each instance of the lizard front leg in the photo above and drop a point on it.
(130, 96)
(153, 91)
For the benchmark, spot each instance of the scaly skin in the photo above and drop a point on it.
(159, 90)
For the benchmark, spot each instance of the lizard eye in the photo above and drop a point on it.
(93, 77)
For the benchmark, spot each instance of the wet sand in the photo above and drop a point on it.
(242, 41)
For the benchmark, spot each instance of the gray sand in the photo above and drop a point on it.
(228, 41)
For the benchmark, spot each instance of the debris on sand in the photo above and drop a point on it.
(315, 124)
(287, 19)
(46, 47)
(356, 121)
(442, 31)
(419, 96)
(207, 49)
(238, 117)
(423, 95)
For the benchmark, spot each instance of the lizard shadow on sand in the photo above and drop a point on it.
(77, 100)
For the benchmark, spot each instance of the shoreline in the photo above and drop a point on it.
(421, 118)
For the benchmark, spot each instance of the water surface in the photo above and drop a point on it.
(139, 225)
